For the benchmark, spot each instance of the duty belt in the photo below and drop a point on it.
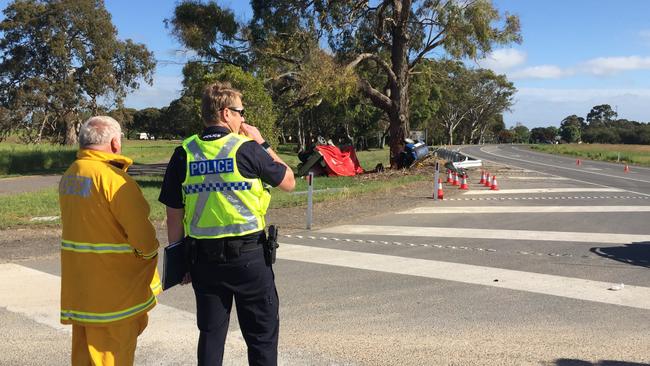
(220, 250)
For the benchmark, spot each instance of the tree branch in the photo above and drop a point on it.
(430, 46)
(379, 100)
(384, 65)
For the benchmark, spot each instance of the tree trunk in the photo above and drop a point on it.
(450, 133)
(302, 146)
(382, 140)
(39, 138)
(346, 128)
(394, 101)
(71, 132)
(399, 115)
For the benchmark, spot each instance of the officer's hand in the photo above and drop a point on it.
(252, 132)
(187, 279)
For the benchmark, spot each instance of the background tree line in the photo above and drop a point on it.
(349, 70)
(601, 125)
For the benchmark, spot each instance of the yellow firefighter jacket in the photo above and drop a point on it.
(109, 247)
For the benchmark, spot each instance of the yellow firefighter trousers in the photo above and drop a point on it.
(110, 345)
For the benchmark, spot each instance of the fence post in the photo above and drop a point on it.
(310, 193)
(436, 175)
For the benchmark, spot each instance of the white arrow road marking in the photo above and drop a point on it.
(574, 288)
(524, 209)
(453, 232)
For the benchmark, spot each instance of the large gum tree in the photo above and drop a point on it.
(380, 42)
(395, 36)
(60, 61)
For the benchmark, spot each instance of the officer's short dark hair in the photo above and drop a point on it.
(217, 96)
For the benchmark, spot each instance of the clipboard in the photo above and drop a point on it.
(174, 264)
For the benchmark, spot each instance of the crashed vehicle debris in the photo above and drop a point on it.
(331, 161)
(327, 159)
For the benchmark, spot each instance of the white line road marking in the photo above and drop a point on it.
(537, 178)
(452, 232)
(523, 209)
(542, 190)
(561, 167)
(35, 295)
(574, 288)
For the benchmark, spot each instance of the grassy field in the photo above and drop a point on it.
(22, 159)
(630, 154)
(19, 210)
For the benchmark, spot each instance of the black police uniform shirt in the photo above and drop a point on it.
(252, 162)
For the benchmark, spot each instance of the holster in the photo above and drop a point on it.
(271, 245)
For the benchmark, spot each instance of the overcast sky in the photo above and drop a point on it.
(575, 54)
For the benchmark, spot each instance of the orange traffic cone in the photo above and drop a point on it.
(440, 193)
(464, 185)
(626, 169)
(487, 180)
(450, 179)
(578, 162)
(494, 186)
(482, 181)
(456, 182)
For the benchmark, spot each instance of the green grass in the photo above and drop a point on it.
(20, 159)
(630, 154)
(148, 152)
(18, 209)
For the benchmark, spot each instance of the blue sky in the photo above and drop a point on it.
(575, 54)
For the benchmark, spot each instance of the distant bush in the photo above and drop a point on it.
(35, 159)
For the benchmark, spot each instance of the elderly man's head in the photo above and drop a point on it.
(101, 133)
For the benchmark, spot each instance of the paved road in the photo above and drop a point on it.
(590, 172)
(550, 270)
(33, 183)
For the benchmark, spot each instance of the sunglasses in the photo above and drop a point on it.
(240, 111)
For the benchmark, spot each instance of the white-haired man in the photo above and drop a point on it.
(108, 251)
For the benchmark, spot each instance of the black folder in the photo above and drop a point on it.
(174, 264)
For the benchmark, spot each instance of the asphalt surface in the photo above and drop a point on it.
(422, 296)
(33, 183)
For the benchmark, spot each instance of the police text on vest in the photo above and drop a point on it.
(216, 166)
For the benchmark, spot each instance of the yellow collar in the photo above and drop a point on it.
(118, 161)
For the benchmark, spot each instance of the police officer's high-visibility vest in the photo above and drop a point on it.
(219, 201)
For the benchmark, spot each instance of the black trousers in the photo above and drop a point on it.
(248, 280)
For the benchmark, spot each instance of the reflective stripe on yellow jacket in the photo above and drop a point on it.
(109, 247)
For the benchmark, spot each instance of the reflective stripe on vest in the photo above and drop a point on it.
(101, 248)
(217, 187)
(215, 180)
(86, 317)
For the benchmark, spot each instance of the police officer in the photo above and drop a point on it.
(214, 193)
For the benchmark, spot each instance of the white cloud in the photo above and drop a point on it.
(540, 72)
(601, 66)
(503, 59)
(579, 94)
(613, 65)
(541, 107)
(160, 94)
